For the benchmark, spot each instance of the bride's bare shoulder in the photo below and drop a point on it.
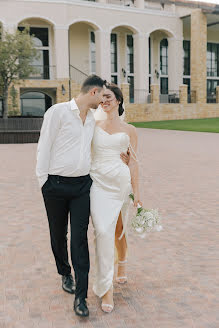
(131, 130)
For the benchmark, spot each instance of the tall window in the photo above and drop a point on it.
(186, 64)
(213, 59)
(149, 54)
(186, 52)
(211, 86)
(1, 107)
(114, 55)
(92, 52)
(212, 71)
(35, 103)
(1, 101)
(164, 66)
(41, 41)
(130, 54)
(130, 66)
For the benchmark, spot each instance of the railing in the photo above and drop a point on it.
(141, 96)
(20, 130)
(42, 72)
(211, 98)
(171, 98)
(192, 97)
(77, 75)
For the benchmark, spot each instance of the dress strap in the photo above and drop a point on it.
(132, 152)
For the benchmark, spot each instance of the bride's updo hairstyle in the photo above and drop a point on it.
(118, 94)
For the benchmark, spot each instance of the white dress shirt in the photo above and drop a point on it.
(64, 146)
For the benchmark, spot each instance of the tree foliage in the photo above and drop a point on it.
(17, 52)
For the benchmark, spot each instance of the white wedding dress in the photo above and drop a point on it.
(109, 195)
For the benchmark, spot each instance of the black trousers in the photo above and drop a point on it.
(64, 195)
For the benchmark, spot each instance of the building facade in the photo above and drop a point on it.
(163, 54)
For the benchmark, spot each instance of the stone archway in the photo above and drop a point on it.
(82, 44)
(35, 103)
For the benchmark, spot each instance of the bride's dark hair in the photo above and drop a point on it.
(118, 94)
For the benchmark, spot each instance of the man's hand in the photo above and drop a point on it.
(125, 157)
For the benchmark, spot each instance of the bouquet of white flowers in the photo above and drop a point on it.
(145, 220)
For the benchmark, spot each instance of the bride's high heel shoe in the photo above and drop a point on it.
(122, 279)
(107, 308)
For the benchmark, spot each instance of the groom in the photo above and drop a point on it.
(63, 165)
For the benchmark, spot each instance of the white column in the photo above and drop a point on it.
(139, 4)
(103, 54)
(141, 67)
(61, 52)
(175, 63)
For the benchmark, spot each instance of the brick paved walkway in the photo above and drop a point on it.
(172, 274)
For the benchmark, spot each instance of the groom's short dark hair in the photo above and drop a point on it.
(92, 81)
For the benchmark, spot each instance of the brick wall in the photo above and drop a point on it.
(136, 112)
(160, 112)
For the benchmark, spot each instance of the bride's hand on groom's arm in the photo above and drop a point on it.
(125, 157)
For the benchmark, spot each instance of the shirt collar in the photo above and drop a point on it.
(74, 107)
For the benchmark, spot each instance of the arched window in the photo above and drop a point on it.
(35, 103)
(164, 66)
(41, 42)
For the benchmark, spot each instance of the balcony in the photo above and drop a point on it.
(125, 3)
(150, 4)
(171, 98)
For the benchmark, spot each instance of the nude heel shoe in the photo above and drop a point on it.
(107, 308)
(122, 279)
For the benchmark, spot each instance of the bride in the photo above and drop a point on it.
(109, 195)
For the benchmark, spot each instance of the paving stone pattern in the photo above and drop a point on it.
(173, 274)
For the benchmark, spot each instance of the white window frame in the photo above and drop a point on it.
(51, 77)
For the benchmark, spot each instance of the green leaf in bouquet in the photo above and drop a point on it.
(139, 210)
(131, 196)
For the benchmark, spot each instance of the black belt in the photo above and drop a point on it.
(60, 178)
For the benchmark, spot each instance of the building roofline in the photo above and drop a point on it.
(205, 6)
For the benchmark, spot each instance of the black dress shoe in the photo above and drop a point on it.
(80, 307)
(68, 284)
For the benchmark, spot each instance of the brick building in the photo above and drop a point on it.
(163, 53)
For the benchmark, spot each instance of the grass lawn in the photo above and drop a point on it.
(198, 125)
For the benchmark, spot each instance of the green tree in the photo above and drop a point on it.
(16, 55)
